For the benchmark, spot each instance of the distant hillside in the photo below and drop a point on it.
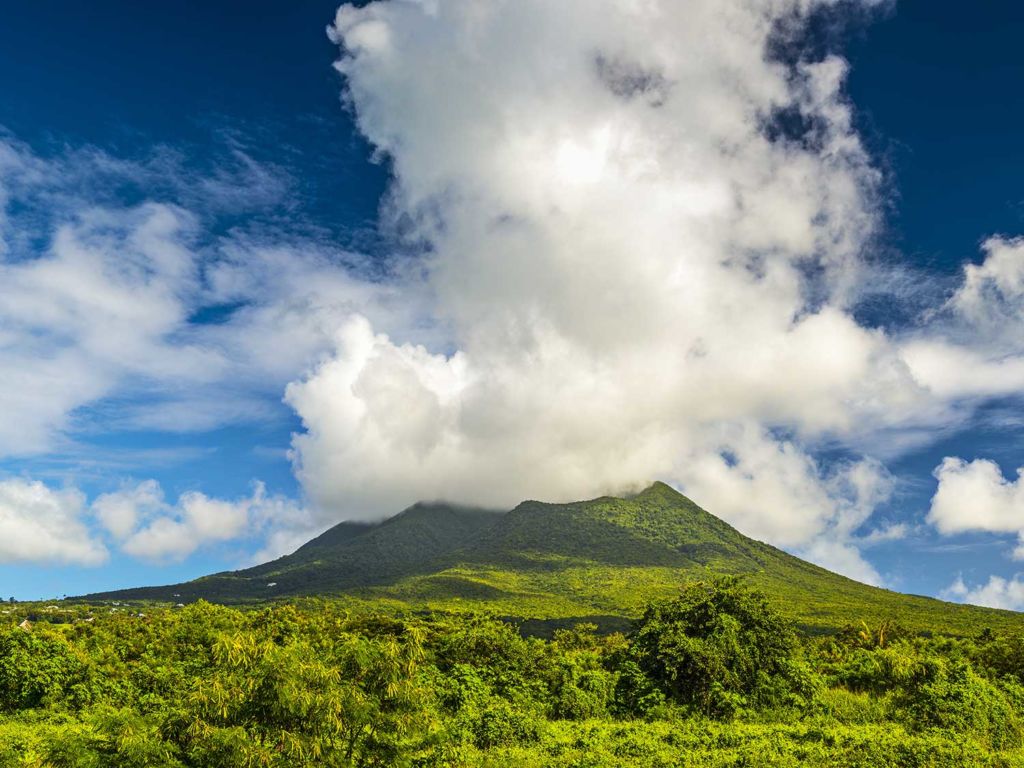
(345, 557)
(604, 559)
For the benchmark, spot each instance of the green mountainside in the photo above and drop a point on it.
(602, 559)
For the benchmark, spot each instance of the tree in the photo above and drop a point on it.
(718, 647)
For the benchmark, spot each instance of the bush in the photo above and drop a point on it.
(1001, 655)
(38, 668)
(879, 671)
(114, 739)
(952, 697)
(717, 648)
(315, 684)
(580, 690)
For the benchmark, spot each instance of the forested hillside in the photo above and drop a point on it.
(601, 561)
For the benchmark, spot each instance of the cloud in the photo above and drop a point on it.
(148, 527)
(639, 275)
(638, 235)
(997, 593)
(773, 491)
(288, 302)
(137, 315)
(844, 558)
(56, 526)
(974, 496)
(959, 371)
(995, 288)
(121, 511)
(95, 309)
(974, 349)
(889, 532)
(42, 525)
(195, 520)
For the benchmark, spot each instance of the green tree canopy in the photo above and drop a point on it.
(718, 647)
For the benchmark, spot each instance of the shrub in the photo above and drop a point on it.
(580, 690)
(953, 697)
(38, 668)
(879, 671)
(717, 648)
(114, 739)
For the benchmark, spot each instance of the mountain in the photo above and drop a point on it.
(346, 557)
(602, 560)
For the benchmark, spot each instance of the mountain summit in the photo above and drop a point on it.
(604, 558)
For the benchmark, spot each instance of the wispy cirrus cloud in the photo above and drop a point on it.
(144, 311)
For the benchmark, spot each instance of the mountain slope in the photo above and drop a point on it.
(603, 558)
(659, 527)
(347, 556)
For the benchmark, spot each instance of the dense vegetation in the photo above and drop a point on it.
(714, 676)
(599, 561)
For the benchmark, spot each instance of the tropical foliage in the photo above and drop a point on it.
(715, 676)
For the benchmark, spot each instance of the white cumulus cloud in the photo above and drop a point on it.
(42, 525)
(975, 496)
(997, 593)
(148, 527)
(995, 288)
(637, 278)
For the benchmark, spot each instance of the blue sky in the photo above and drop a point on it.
(187, 185)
